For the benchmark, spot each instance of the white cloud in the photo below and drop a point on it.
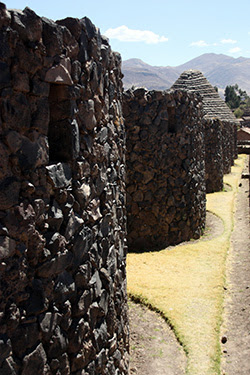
(124, 34)
(234, 50)
(199, 43)
(228, 41)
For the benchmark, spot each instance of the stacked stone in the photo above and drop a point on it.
(214, 109)
(165, 168)
(227, 146)
(62, 223)
(213, 158)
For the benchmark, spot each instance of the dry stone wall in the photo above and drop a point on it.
(213, 155)
(62, 191)
(228, 151)
(214, 109)
(165, 168)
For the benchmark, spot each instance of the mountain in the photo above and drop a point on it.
(138, 73)
(220, 70)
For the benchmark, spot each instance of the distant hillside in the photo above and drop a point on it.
(138, 73)
(220, 70)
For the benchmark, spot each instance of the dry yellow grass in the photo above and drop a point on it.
(185, 284)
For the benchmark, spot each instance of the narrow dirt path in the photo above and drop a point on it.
(236, 326)
(153, 346)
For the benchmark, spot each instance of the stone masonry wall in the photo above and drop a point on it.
(227, 146)
(213, 155)
(165, 168)
(62, 222)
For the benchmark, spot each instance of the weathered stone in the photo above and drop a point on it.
(56, 265)
(73, 226)
(16, 112)
(83, 304)
(56, 243)
(7, 247)
(83, 194)
(89, 115)
(62, 198)
(48, 323)
(159, 163)
(52, 37)
(60, 175)
(96, 284)
(24, 338)
(58, 344)
(101, 335)
(55, 216)
(36, 362)
(9, 192)
(59, 75)
(5, 348)
(82, 245)
(9, 367)
(27, 24)
(33, 153)
(94, 209)
(64, 287)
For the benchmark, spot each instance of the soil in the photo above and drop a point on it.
(236, 326)
(153, 346)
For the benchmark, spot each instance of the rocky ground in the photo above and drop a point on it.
(153, 346)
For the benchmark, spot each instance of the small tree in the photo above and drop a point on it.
(234, 96)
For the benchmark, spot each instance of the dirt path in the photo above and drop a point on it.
(153, 346)
(236, 327)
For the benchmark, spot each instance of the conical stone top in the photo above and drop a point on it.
(213, 105)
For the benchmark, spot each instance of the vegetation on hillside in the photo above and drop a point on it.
(237, 100)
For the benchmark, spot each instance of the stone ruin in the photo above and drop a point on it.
(63, 297)
(63, 301)
(165, 168)
(220, 128)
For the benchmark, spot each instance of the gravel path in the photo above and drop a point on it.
(236, 326)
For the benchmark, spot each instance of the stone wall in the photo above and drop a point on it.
(227, 146)
(214, 109)
(62, 222)
(165, 168)
(213, 155)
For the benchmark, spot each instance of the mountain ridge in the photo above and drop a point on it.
(220, 70)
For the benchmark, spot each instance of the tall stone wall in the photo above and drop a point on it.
(214, 109)
(235, 140)
(213, 155)
(62, 222)
(165, 168)
(227, 146)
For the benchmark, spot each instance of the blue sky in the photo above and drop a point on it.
(160, 32)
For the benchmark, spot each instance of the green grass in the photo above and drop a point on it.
(186, 284)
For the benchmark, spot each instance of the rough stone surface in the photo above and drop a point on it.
(63, 306)
(213, 130)
(165, 168)
(214, 109)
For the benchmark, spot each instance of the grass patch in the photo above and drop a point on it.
(186, 284)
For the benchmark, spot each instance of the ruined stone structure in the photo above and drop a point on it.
(220, 126)
(165, 168)
(62, 191)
